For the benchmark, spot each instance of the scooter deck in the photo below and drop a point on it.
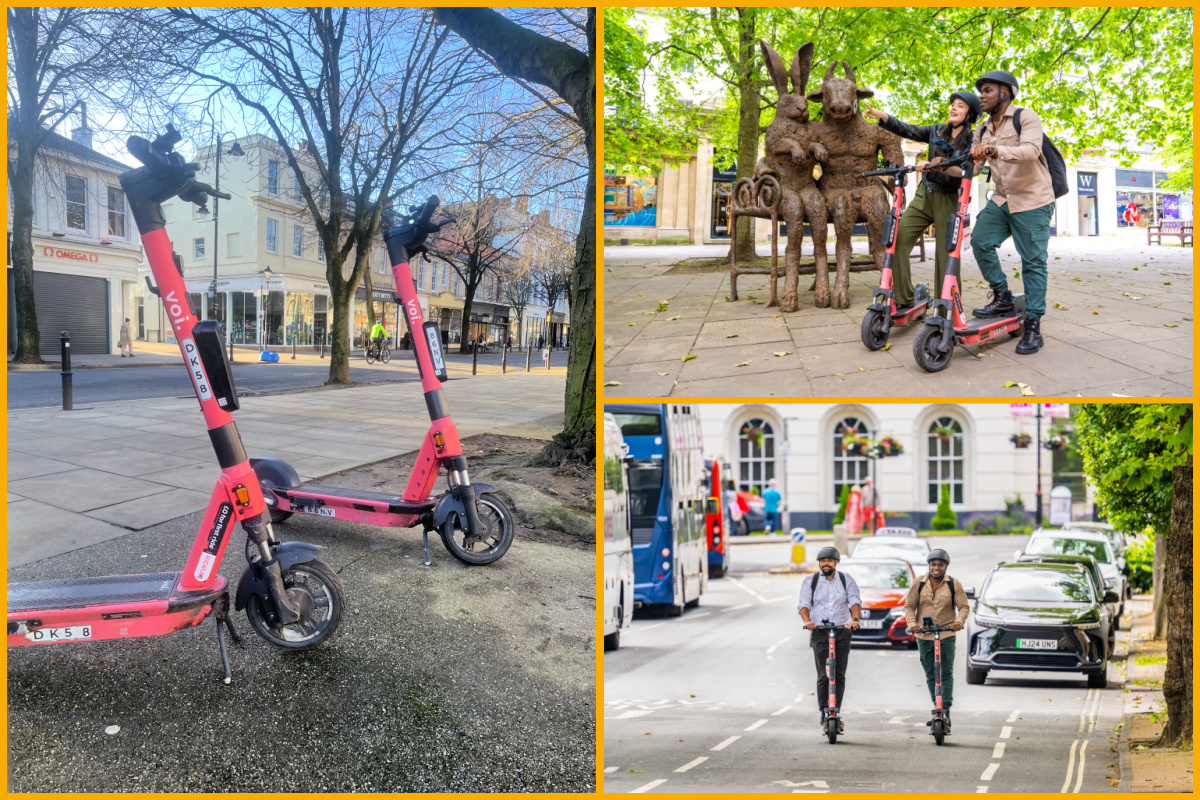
(397, 504)
(384, 509)
(108, 607)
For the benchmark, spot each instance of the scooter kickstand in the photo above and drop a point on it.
(971, 352)
(425, 536)
(224, 656)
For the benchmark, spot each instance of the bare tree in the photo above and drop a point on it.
(369, 93)
(560, 55)
(519, 289)
(554, 280)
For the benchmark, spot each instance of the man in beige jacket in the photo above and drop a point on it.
(945, 601)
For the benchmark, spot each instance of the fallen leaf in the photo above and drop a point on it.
(731, 336)
(829, 338)
(1097, 313)
(1134, 297)
(688, 357)
(672, 319)
(860, 369)
(1166, 283)
(1113, 783)
(1172, 324)
(661, 306)
(1024, 387)
(1077, 279)
(743, 364)
(1058, 305)
(641, 295)
(664, 373)
(633, 324)
(612, 383)
(781, 353)
(887, 346)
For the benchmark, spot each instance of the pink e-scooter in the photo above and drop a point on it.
(292, 599)
(475, 524)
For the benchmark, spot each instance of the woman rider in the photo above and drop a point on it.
(937, 196)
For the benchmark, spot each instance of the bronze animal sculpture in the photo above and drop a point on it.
(853, 146)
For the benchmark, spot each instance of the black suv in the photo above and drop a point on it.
(1038, 617)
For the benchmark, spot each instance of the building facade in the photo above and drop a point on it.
(967, 448)
(86, 251)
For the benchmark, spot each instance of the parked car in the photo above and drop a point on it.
(1038, 617)
(1093, 570)
(883, 584)
(1096, 545)
(912, 550)
(1117, 539)
(750, 513)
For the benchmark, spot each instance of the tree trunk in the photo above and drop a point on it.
(749, 101)
(370, 300)
(1156, 574)
(23, 42)
(341, 294)
(464, 344)
(1177, 584)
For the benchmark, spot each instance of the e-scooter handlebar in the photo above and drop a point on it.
(174, 175)
(890, 171)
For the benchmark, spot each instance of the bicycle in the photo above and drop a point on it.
(380, 352)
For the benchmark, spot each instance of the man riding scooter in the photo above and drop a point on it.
(943, 600)
(832, 596)
(1021, 207)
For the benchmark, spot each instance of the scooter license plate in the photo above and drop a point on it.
(871, 624)
(1037, 644)
(74, 633)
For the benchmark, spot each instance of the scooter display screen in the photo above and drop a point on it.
(433, 336)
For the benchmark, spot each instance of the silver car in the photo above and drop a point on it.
(1090, 543)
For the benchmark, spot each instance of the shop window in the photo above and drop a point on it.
(756, 455)
(298, 242)
(320, 250)
(719, 224)
(850, 466)
(273, 177)
(76, 203)
(198, 248)
(116, 212)
(272, 236)
(945, 438)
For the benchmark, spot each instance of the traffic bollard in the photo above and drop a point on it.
(231, 347)
(293, 347)
(475, 357)
(324, 339)
(503, 359)
(549, 353)
(528, 356)
(68, 394)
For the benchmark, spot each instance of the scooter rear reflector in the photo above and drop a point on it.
(433, 336)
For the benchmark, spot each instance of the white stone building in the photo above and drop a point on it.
(86, 251)
(967, 447)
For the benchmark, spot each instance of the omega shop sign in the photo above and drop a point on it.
(70, 255)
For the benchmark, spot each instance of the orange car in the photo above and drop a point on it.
(883, 584)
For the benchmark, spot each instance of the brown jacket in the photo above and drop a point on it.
(937, 604)
(1018, 169)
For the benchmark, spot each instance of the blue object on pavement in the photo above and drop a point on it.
(267, 355)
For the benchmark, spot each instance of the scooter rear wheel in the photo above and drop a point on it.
(939, 732)
(875, 330)
(926, 353)
(831, 729)
(491, 544)
(318, 591)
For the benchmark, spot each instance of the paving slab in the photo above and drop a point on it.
(24, 465)
(146, 511)
(38, 530)
(128, 461)
(83, 489)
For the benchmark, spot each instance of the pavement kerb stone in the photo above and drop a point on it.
(1139, 611)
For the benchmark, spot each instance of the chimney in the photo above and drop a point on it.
(83, 134)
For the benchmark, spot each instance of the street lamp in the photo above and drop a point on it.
(236, 150)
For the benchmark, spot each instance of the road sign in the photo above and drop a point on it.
(798, 555)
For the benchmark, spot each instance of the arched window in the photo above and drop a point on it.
(756, 454)
(850, 466)
(945, 460)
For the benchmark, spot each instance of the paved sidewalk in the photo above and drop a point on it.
(80, 477)
(155, 354)
(1119, 323)
(1145, 767)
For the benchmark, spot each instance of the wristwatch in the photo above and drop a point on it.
(989, 150)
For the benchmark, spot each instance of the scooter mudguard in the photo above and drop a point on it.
(276, 472)
(946, 327)
(921, 293)
(884, 307)
(253, 582)
(449, 503)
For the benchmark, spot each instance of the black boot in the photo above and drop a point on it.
(1031, 340)
(1001, 305)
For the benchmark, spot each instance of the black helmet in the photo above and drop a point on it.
(829, 552)
(999, 76)
(972, 101)
(938, 555)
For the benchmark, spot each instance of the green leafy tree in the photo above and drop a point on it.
(843, 502)
(944, 519)
(1139, 459)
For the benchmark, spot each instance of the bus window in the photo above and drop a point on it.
(639, 424)
(645, 489)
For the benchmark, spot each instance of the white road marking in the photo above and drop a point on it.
(1079, 774)
(747, 590)
(609, 770)
(735, 608)
(649, 786)
(694, 762)
(1006, 732)
(773, 647)
(980, 789)
(777, 599)
(757, 725)
(814, 784)
(1070, 767)
(726, 743)
(781, 711)
(632, 714)
(989, 772)
(998, 751)
(640, 628)
(1013, 716)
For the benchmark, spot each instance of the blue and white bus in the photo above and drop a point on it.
(667, 493)
(618, 550)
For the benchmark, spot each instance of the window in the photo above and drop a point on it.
(457, 286)
(198, 248)
(756, 455)
(273, 177)
(421, 274)
(945, 460)
(297, 195)
(232, 244)
(298, 242)
(116, 212)
(850, 466)
(76, 203)
(272, 236)
(320, 250)
(382, 261)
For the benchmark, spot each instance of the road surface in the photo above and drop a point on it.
(722, 700)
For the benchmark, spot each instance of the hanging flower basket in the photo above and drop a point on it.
(1021, 440)
(945, 434)
(1057, 442)
(753, 434)
(890, 447)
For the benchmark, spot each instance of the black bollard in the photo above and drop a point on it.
(528, 356)
(293, 347)
(68, 393)
(231, 345)
(323, 340)
(474, 356)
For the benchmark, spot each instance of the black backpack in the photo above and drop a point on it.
(813, 588)
(921, 588)
(1053, 158)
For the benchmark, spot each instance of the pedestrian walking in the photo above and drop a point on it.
(870, 503)
(124, 341)
(945, 601)
(771, 497)
(541, 341)
(833, 596)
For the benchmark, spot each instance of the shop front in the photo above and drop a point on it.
(722, 193)
(446, 310)
(255, 311)
(386, 310)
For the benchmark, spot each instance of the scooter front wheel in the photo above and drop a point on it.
(831, 729)
(875, 330)
(487, 545)
(926, 353)
(318, 591)
(938, 730)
